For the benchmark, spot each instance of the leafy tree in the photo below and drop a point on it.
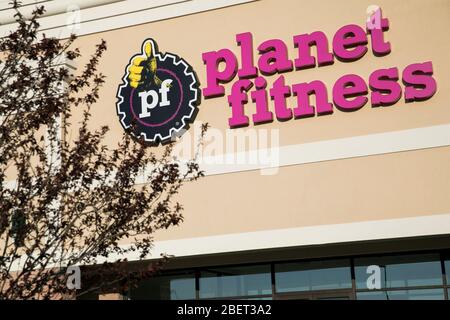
(67, 202)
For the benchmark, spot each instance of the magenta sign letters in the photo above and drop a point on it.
(349, 93)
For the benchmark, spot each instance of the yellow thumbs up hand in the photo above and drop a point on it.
(143, 67)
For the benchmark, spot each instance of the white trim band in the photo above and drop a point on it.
(431, 225)
(306, 236)
(328, 150)
(108, 15)
(269, 160)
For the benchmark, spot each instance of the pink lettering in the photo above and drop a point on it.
(214, 76)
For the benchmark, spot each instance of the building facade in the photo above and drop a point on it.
(327, 162)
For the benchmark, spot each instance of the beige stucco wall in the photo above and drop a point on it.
(414, 183)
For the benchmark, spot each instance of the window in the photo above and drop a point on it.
(315, 275)
(167, 287)
(400, 277)
(422, 294)
(235, 282)
(400, 271)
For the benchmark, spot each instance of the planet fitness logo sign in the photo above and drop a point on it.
(159, 95)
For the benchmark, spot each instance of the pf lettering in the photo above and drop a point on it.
(150, 99)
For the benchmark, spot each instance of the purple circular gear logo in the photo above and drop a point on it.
(159, 95)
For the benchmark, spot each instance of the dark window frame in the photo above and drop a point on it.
(351, 292)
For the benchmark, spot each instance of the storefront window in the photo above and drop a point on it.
(235, 282)
(399, 271)
(400, 277)
(316, 275)
(422, 294)
(170, 287)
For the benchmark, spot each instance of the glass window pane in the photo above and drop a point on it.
(170, 287)
(314, 275)
(423, 294)
(235, 282)
(374, 295)
(398, 271)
